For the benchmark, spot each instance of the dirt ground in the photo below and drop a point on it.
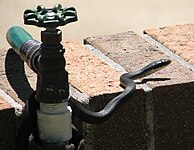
(101, 17)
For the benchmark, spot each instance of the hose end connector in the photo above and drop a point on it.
(29, 53)
(24, 45)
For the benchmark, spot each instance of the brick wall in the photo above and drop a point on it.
(159, 116)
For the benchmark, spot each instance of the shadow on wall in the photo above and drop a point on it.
(15, 72)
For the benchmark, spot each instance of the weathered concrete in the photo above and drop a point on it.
(8, 128)
(179, 39)
(158, 116)
(100, 82)
(168, 92)
(9, 121)
(17, 80)
(88, 73)
(173, 116)
(96, 80)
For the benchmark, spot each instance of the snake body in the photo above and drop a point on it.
(126, 81)
(29, 124)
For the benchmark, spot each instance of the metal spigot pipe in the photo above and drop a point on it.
(46, 59)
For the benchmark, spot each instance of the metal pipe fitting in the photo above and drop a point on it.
(24, 45)
(29, 53)
(47, 60)
(52, 83)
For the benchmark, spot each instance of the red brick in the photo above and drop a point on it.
(170, 100)
(91, 76)
(4, 104)
(100, 82)
(8, 125)
(179, 39)
(88, 73)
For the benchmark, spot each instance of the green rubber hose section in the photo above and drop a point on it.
(16, 37)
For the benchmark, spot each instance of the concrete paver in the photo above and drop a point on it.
(169, 98)
(143, 120)
(179, 39)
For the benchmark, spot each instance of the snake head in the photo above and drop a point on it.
(160, 64)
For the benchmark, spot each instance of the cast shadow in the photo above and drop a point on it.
(145, 80)
(15, 72)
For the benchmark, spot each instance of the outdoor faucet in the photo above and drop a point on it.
(48, 111)
(47, 60)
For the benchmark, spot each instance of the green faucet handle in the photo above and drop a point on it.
(50, 18)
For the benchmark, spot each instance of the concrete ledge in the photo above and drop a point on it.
(94, 77)
(158, 116)
(165, 91)
(17, 80)
(9, 110)
(179, 39)
(88, 73)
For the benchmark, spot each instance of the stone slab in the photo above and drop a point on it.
(4, 105)
(178, 38)
(17, 80)
(133, 52)
(173, 115)
(130, 125)
(169, 97)
(8, 122)
(94, 77)
(88, 73)
(8, 128)
(124, 130)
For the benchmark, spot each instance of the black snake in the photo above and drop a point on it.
(126, 81)
(29, 122)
